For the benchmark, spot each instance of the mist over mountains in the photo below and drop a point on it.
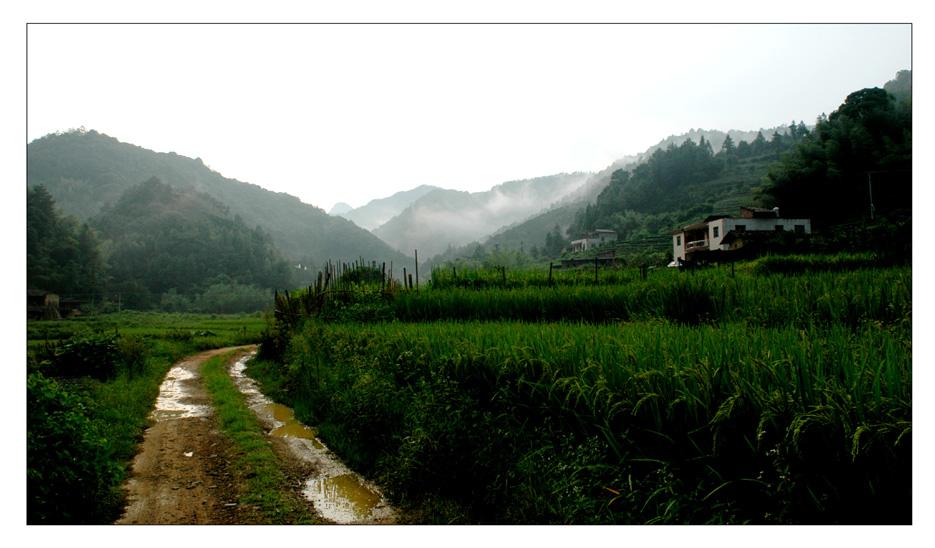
(84, 171)
(379, 211)
(440, 222)
(443, 218)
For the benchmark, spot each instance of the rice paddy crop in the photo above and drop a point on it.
(711, 296)
(718, 397)
(776, 391)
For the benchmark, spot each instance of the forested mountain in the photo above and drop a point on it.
(443, 218)
(684, 163)
(853, 163)
(381, 210)
(163, 241)
(84, 170)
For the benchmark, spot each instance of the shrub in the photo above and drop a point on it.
(68, 467)
(101, 357)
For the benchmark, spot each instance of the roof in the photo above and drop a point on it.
(747, 235)
(38, 292)
(690, 227)
(761, 212)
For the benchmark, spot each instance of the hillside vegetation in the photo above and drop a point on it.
(84, 170)
(851, 166)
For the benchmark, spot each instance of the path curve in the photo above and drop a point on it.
(182, 474)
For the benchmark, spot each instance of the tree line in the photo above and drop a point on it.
(156, 247)
(853, 164)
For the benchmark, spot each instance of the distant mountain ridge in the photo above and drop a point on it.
(339, 208)
(381, 210)
(443, 218)
(84, 170)
(532, 230)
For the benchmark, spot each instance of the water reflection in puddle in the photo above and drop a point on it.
(338, 493)
(173, 393)
(343, 496)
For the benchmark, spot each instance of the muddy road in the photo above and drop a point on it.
(184, 472)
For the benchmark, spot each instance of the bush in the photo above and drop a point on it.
(68, 467)
(101, 357)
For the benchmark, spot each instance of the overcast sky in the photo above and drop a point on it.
(349, 113)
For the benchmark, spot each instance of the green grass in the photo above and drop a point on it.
(116, 409)
(776, 394)
(469, 412)
(207, 329)
(714, 295)
(265, 481)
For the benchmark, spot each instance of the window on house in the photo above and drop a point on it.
(678, 240)
(800, 229)
(740, 228)
(780, 227)
(716, 231)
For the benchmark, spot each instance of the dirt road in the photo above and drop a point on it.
(183, 474)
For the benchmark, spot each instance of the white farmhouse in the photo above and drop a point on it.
(593, 239)
(720, 232)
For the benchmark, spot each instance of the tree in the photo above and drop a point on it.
(759, 144)
(727, 148)
(826, 174)
(61, 255)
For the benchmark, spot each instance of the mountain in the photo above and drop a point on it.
(531, 232)
(381, 210)
(340, 208)
(84, 170)
(443, 218)
(165, 240)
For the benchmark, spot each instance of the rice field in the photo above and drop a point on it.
(723, 396)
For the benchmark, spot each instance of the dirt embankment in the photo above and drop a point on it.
(184, 472)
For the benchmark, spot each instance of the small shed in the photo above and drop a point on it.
(42, 305)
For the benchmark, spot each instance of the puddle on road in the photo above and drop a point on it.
(343, 496)
(338, 493)
(173, 393)
(290, 427)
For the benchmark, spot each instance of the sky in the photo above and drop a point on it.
(352, 112)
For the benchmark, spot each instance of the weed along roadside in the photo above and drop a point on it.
(181, 474)
(222, 453)
(339, 494)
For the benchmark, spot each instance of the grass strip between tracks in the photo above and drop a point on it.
(260, 467)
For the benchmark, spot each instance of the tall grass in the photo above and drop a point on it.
(638, 422)
(710, 296)
(774, 392)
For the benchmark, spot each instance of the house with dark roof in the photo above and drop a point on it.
(724, 233)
